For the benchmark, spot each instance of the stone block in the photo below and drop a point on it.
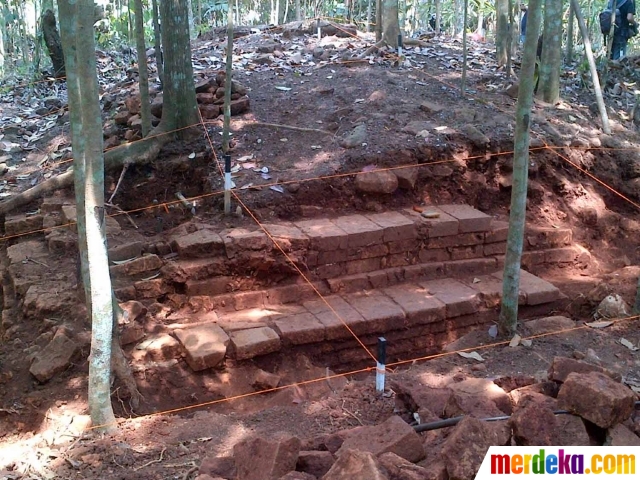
(466, 253)
(597, 398)
(300, 329)
(420, 307)
(335, 315)
(131, 333)
(54, 358)
(539, 238)
(458, 298)
(544, 325)
(253, 342)
(473, 266)
(356, 465)
(407, 177)
(22, 224)
(362, 266)
(459, 240)
(349, 283)
(239, 240)
(621, 436)
(537, 290)
(152, 288)
(396, 227)
(372, 251)
(19, 252)
(289, 294)
(381, 314)
(323, 235)
(158, 347)
(125, 251)
(288, 236)
(499, 248)
(490, 289)
(394, 435)
(315, 463)
(218, 467)
(205, 346)
(331, 270)
(209, 286)
(139, 265)
(333, 256)
(401, 469)
(423, 272)
(201, 243)
(498, 232)
(469, 219)
(265, 380)
(361, 232)
(561, 255)
(403, 246)
(430, 255)
(259, 458)
(562, 367)
(397, 260)
(478, 397)
(442, 225)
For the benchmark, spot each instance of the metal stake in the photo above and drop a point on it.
(380, 366)
(227, 184)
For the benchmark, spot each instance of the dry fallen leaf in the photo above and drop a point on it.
(515, 341)
(629, 345)
(600, 324)
(471, 355)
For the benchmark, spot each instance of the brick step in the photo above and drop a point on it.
(421, 315)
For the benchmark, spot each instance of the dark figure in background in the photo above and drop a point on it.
(625, 20)
(432, 21)
(523, 22)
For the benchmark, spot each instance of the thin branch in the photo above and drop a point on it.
(152, 461)
(289, 127)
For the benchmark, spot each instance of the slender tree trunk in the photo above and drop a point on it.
(226, 127)
(510, 40)
(570, 34)
(636, 305)
(298, 11)
(463, 78)
(2, 50)
(391, 23)
(179, 108)
(551, 51)
(286, 10)
(82, 81)
(438, 15)
(511, 280)
(143, 72)
(130, 22)
(480, 17)
(502, 31)
(52, 41)
(158, 42)
(25, 36)
(192, 26)
(378, 20)
(277, 14)
(592, 66)
(368, 22)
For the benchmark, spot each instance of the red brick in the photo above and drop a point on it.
(429, 255)
(243, 300)
(561, 255)
(418, 304)
(361, 253)
(460, 240)
(205, 346)
(394, 275)
(396, 226)
(498, 248)
(442, 226)
(288, 294)
(202, 243)
(331, 270)
(469, 219)
(333, 256)
(397, 260)
(424, 272)
(531, 259)
(323, 235)
(545, 237)
(490, 289)
(288, 236)
(378, 279)
(403, 246)
(498, 232)
(349, 283)
(311, 259)
(458, 298)
(361, 231)
(253, 342)
(362, 266)
(537, 290)
(300, 329)
(240, 239)
(139, 265)
(210, 286)
(152, 288)
(474, 266)
(465, 253)
(380, 312)
(335, 318)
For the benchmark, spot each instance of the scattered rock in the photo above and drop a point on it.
(466, 447)
(561, 367)
(383, 182)
(548, 325)
(509, 383)
(621, 436)
(205, 345)
(479, 397)
(431, 107)
(356, 465)
(224, 467)
(394, 435)
(613, 306)
(415, 127)
(597, 398)
(260, 458)
(356, 138)
(54, 358)
(315, 463)
(265, 380)
(407, 177)
(475, 136)
(400, 469)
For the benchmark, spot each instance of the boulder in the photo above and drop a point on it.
(315, 463)
(466, 447)
(54, 358)
(204, 345)
(356, 465)
(597, 398)
(548, 325)
(394, 435)
(383, 182)
(399, 469)
(479, 397)
(224, 467)
(407, 177)
(561, 367)
(621, 436)
(259, 458)
(298, 476)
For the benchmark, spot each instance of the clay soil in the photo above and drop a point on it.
(462, 146)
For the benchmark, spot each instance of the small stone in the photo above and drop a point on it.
(356, 138)
(265, 380)
(383, 182)
(54, 358)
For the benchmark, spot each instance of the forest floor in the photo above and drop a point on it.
(382, 112)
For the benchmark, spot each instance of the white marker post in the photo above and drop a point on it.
(319, 29)
(380, 366)
(227, 184)
(399, 44)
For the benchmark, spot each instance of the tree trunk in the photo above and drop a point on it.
(438, 15)
(463, 78)
(502, 31)
(570, 34)
(510, 40)
(158, 42)
(391, 23)
(592, 66)
(143, 72)
(551, 51)
(511, 279)
(52, 41)
(368, 22)
(82, 81)
(2, 48)
(378, 20)
(180, 108)
(480, 28)
(192, 26)
(298, 11)
(226, 127)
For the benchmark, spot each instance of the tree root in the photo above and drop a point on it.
(372, 49)
(289, 127)
(141, 152)
(119, 364)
